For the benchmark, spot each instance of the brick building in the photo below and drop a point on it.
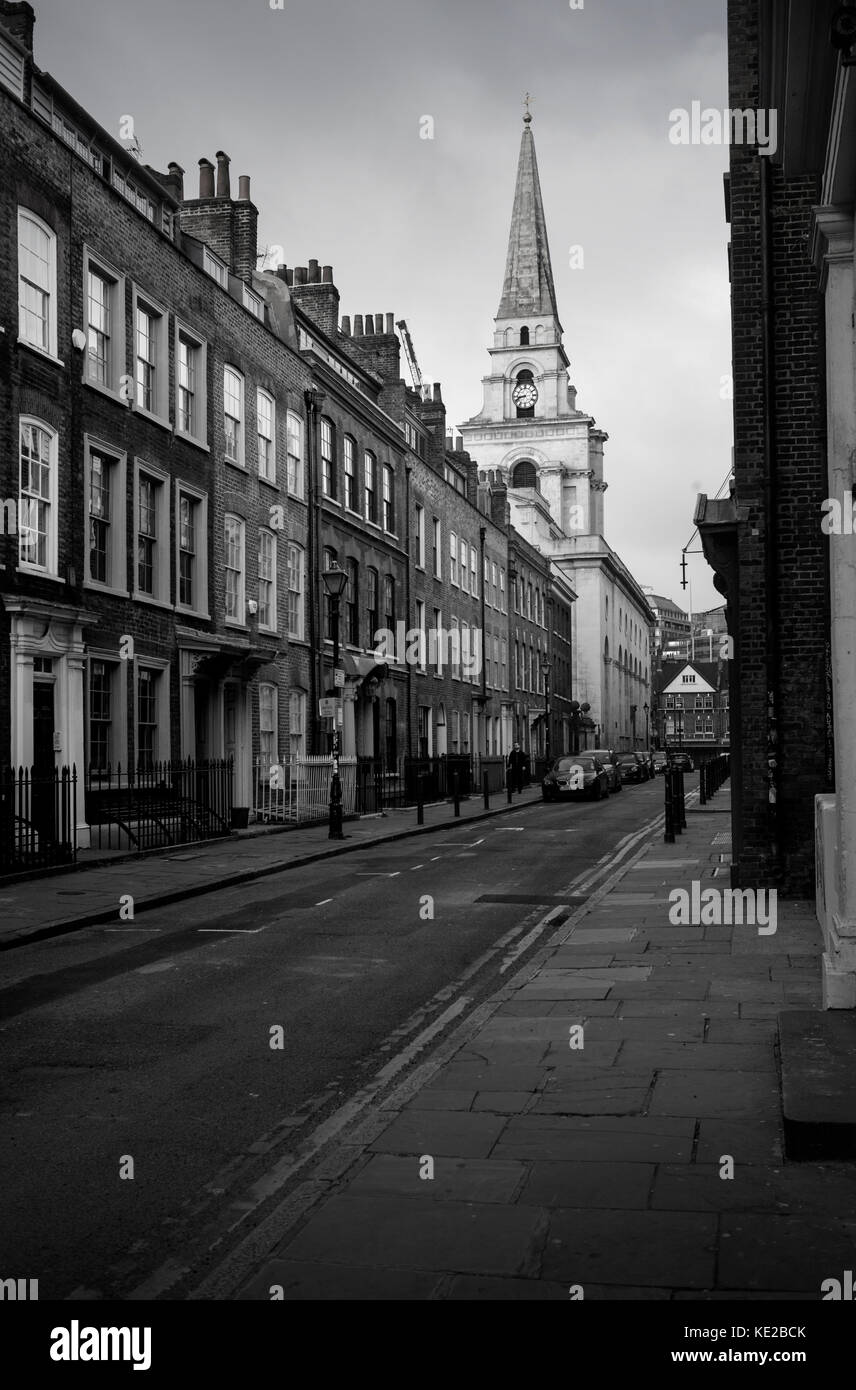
(765, 541)
(690, 707)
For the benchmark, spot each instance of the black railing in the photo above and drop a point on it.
(38, 819)
(712, 775)
(159, 803)
(383, 785)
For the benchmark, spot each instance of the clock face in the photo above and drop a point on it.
(525, 395)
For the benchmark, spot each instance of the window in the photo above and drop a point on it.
(466, 667)
(525, 474)
(234, 562)
(352, 601)
(192, 549)
(503, 677)
(149, 707)
(456, 731)
(453, 559)
(191, 385)
(104, 363)
(37, 519)
(456, 649)
(465, 581)
(486, 579)
(12, 68)
(265, 432)
(372, 601)
(436, 548)
(438, 640)
(253, 302)
(502, 591)
(370, 486)
(296, 585)
(420, 536)
(328, 459)
(267, 580)
(151, 533)
(268, 749)
(36, 282)
(294, 434)
(524, 337)
(104, 716)
(350, 455)
(233, 415)
(420, 627)
(216, 268)
(474, 574)
(296, 725)
(388, 499)
(105, 509)
(389, 602)
(423, 730)
(465, 732)
(391, 734)
(151, 367)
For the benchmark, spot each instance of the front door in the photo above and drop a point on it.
(42, 803)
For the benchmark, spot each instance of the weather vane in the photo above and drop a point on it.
(526, 101)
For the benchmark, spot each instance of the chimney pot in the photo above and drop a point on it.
(369, 323)
(206, 178)
(289, 277)
(438, 396)
(459, 444)
(327, 274)
(358, 325)
(244, 187)
(223, 189)
(176, 174)
(346, 325)
(378, 318)
(390, 325)
(313, 276)
(300, 275)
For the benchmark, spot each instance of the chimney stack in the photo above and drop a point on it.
(244, 188)
(206, 178)
(358, 325)
(223, 190)
(327, 275)
(346, 325)
(175, 176)
(300, 275)
(390, 324)
(289, 277)
(369, 323)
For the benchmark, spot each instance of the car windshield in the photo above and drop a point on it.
(565, 764)
(603, 754)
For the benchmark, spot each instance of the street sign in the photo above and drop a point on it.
(339, 678)
(327, 708)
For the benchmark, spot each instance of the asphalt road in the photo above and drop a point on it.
(147, 1048)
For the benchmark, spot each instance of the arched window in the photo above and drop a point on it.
(525, 475)
(524, 337)
(526, 411)
(391, 733)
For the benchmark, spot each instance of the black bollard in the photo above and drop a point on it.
(485, 780)
(456, 794)
(669, 829)
(420, 800)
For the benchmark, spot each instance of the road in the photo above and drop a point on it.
(155, 1072)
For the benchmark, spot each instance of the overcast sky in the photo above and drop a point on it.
(320, 103)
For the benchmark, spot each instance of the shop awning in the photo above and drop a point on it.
(361, 669)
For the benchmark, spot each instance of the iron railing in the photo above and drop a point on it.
(38, 818)
(159, 803)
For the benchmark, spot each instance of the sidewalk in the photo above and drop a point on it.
(89, 895)
(646, 1165)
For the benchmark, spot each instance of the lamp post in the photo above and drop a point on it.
(646, 708)
(335, 583)
(546, 668)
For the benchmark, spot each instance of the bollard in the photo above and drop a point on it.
(420, 800)
(682, 804)
(456, 794)
(509, 790)
(669, 828)
(485, 780)
(702, 784)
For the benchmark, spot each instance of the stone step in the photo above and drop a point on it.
(818, 1056)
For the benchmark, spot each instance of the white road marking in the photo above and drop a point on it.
(146, 929)
(417, 866)
(323, 902)
(375, 873)
(232, 931)
(462, 844)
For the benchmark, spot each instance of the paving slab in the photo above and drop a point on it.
(666, 990)
(541, 990)
(483, 1076)
(646, 1030)
(455, 1179)
(406, 1233)
(303, 1282)
(438, 1132)
(442, 1100)
(663, 1249)
(503, 1102)
(699, 1056)
(605, 1092)
(634, 1139)
(588, 1185)
(671, 1008)
(481, 1288)
(782, 1252)
(758, 1141)
(592, 1053)
(713, 1094)
(818, 1052)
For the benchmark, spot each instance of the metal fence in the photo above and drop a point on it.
(38, 818)
(159, 803)
(300, 790)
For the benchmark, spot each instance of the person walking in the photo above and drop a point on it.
(516, 768)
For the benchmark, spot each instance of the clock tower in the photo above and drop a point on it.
(529, 433)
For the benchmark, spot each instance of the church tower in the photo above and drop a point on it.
(529, 433)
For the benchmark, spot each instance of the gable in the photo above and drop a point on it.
(688, 680)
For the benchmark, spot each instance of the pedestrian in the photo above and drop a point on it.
(516, 768)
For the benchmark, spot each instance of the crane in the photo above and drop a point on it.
(410, 354)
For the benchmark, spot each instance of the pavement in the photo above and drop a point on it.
(97, 890)
(607, 1126)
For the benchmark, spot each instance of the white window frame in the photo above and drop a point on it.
(161, 596)
(142, 302)
(215, 267)
(420, 535)
(271, 707)
(50, 569)
(387, 498)
(421, 612)
(297, 703)
(199, 434)
(269, 474)
(464, 566)
(437, 546)
(118, 740)
(297, 632)
(117, 562)
(370, 493)
(271, 625)
(349, 454)
(296, 473)
(116, 359)
(11, 67)
(200, 578)
(474, 573)
(238, 619)
(239, 461)
(162, 737)
(453, 559)
(49, 349)
(253, 302)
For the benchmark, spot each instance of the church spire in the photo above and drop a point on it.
(528, 287)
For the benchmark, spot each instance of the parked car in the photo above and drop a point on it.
(580, 774)
(633, 769)
(660, 762)
(648, 757)
(683, 762)
(609, 758)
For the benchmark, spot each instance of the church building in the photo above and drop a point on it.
(531, 436)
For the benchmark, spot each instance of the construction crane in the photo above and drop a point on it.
(410, 354)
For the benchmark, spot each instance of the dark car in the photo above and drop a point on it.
(647, 756)
(609, 758)
(579, 774)
(683, 762)
(660, 762)
(633, 769)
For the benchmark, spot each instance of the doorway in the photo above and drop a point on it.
(42, 800)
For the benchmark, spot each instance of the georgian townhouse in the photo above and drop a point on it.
(155, 464)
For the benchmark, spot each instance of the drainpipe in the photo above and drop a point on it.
(407, 472)
(313, 399)
(771, 547)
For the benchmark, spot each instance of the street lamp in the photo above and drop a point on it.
(646, 708)
(335, 583)
(546, 668)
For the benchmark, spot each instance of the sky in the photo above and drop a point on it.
(322, 104)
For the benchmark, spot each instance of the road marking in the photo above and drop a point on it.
(375, 873)
(531, 936)
(462, 844)
(323, 902)
(146, 929)
(158, 965)
(437, 858)
(232, 931)
(417, 866)
(509, 827)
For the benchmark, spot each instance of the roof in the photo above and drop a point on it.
(528, 287)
